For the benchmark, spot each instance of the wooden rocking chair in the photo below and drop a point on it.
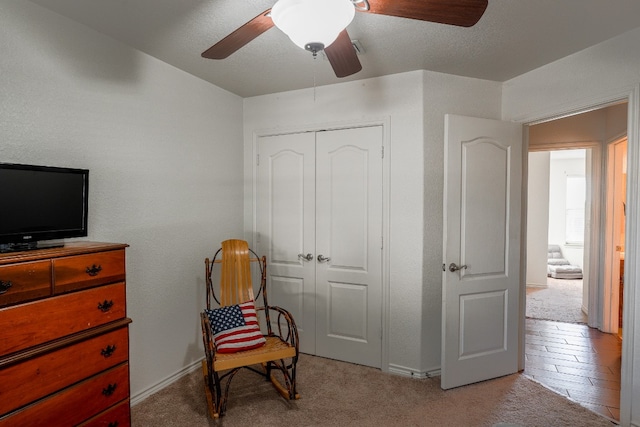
(278, 355)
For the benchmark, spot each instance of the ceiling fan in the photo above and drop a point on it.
(317, 25)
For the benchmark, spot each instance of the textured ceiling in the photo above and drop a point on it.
(513, 37)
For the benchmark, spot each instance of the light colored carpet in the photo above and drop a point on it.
(343, 394)
(560, 301)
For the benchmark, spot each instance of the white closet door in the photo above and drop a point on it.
(320, 195)
(349, 234)
(286, 226)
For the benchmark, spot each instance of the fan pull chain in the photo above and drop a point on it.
(315, 68)
(314, 48)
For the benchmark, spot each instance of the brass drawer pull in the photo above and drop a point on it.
(113, 424)
(105, 306)
(108, 351)
(111, 388)
(93, 270)
(4, 286)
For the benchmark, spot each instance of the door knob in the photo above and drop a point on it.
(453, 267)
(322, 258)
(307, 257)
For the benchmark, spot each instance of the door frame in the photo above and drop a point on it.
(592, 243)
(251, 235)
(631, 307)
(611, 286)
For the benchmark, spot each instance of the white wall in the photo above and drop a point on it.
(581, 80)
(397, 99)
(443, 94)
(414, 105)
(164, 151)
(559, 169)
(594, 76)
(537, 218)
(595, 126)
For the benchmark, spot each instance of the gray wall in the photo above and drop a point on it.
(164, 151)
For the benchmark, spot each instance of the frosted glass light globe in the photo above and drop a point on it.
(312, 21)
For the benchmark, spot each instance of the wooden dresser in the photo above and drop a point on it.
(64, 342)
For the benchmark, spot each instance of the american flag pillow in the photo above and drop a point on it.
(235, 327)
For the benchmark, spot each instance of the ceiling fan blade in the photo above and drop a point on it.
(463, 13)
(240, 37)
(342, 56)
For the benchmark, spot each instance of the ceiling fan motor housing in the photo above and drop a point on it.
(314, 47)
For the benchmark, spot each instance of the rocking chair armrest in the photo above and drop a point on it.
(286, 325)
(207, 338)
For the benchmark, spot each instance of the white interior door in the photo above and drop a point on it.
(481, 247)
(286, 226)
(319, 222)
(349, 235)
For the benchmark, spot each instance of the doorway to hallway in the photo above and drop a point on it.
(579, 362)
(557, 236)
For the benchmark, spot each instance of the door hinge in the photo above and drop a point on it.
(383, 151)
(381, 242)
(257, 159)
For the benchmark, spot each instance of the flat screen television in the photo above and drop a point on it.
(41, 203)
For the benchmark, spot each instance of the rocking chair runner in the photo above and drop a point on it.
(279, 354)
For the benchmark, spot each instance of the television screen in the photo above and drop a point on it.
(42, 203)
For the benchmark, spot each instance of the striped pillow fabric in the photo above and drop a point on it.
(235, 327)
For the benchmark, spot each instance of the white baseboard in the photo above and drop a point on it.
(142, 395)
(413, 373)
(537, 285)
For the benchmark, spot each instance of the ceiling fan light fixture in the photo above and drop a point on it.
(312, 22)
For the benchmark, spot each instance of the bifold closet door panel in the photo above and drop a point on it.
(349, 240)
(319, 221)
(286, 226)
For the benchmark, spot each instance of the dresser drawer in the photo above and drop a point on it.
(37, 322)
(45, 374)
(84, 271)
(24, 281)
(75, 404)
(118, 416)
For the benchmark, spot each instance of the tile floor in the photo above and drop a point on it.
(576, 361)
